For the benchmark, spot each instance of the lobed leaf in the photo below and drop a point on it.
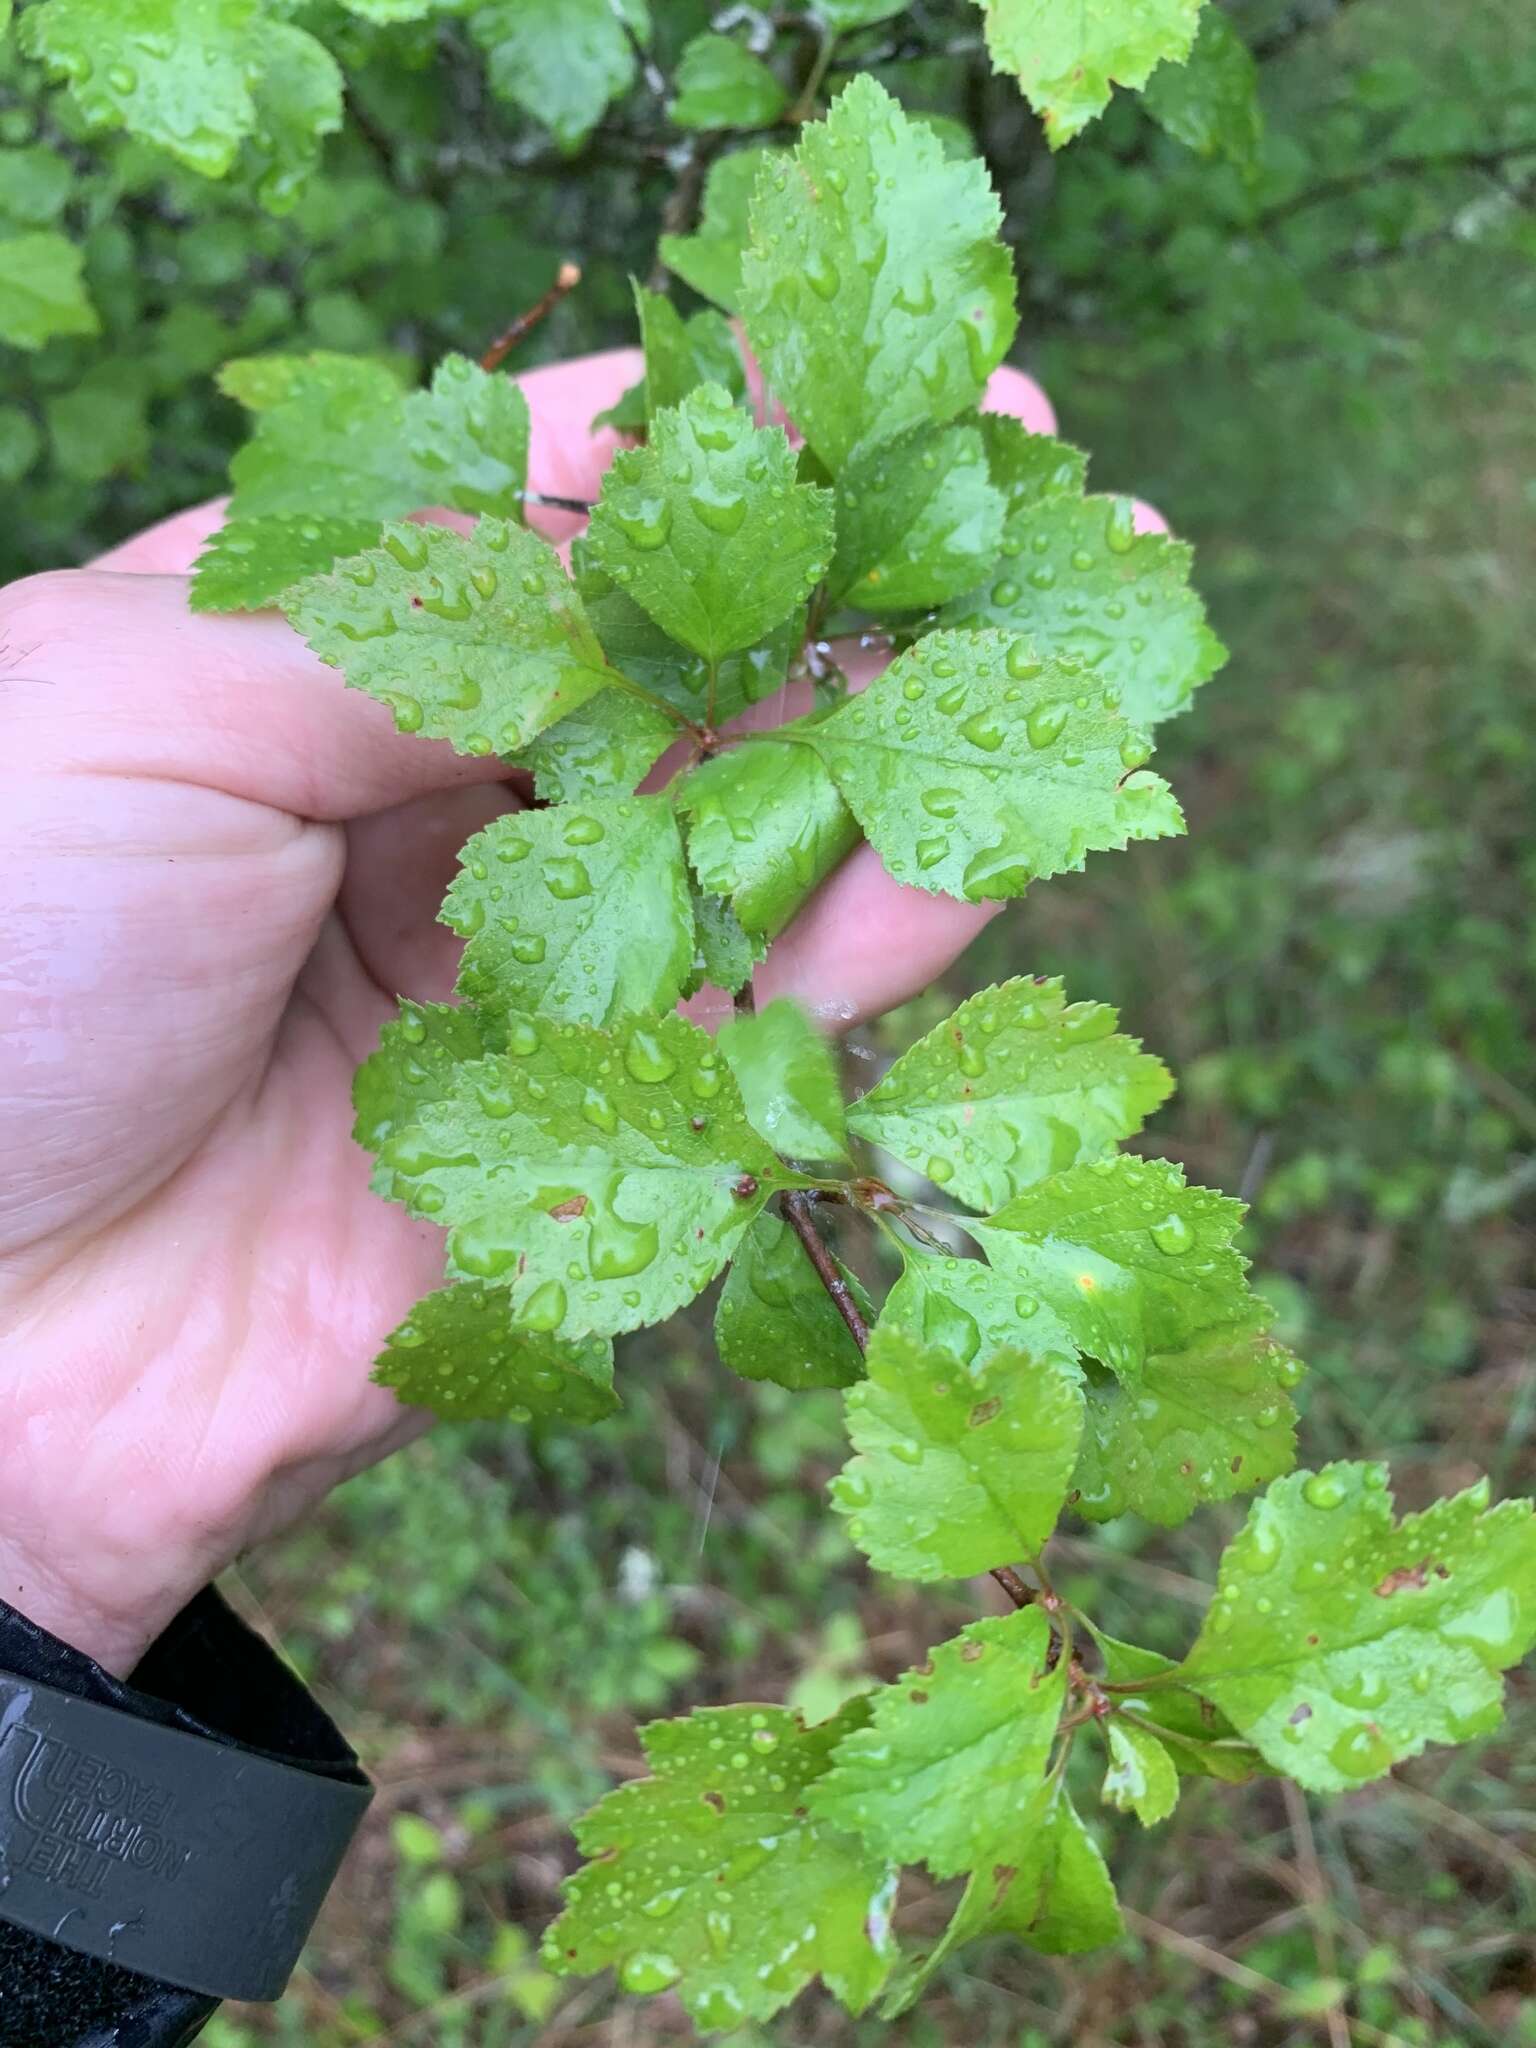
(706, 528)
(951, 1764)
(975, 767)
(1127, 1257)
(582, 911)
(634, 643)
(766, 827)
(562, 65)
(775, 1321)
(1340, 1642)
(725, 953)
(874, 287)
(788, 1079)
(1069, 59)
(419, 1056)
(1086, 587)
(42, 290)
(1016, 1085)
(959, 1467)
(721, 84)
(1199, 1424)
(1202, 1742)
(710, 258)
(712, 1877)
(476, 638)
(918, 522)
(604, 747)
(1210, 103)
(1049, 1888)
(338, 449)
(603, 1178)
(1141, 1778)
(461, 1354)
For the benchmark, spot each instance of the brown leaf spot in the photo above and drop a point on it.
(1302, 1713)
(714, 1799)
(564, 1211)
(971, 1651)
(918, 1699)
(985, 1411)
(746, 1187)
(1003, 1875)
(1409, 1575)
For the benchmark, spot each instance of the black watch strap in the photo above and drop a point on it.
(182, 1858)
(207, 1679)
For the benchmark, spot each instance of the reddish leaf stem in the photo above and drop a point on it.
(567, 277)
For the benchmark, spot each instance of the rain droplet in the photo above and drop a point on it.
(984, 730)
(647, 1059)
(1120, 526)
(545, 1307)
(566, 877)
(1322, 1490)
(644, 521)
(1045, 724)
(722, 511)
(1173, 1236)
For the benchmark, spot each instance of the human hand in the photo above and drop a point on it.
(221, 868)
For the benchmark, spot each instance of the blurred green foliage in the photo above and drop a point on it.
(1309, 338)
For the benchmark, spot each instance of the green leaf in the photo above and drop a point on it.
(959, 1467)
(562, 65)
(1127, 1257)
(1211, 103)
(875, 290)
(35, 184)
(1069, 59)
(177, 73)
(467, 441)
(1028, 468)
(1051, 1889)
(950, 1768)
(338, 445)
(1017, 1084)
(100, 426)
(711, 1876)
(1141, 1778)
(478, 639)
(679, 356)
(460, 1354)
(298, 95)
(918, 522)
(419, 1055)
(710, 258)
(726, 953)
(766, 827)
(637, 646)
(602, 1177)
(976, 767)
(844, 15)
(1199, 1424)
(248, 565)
(722, 85)
(42, 291)
(20, 443)
(1202, 1742)
(1341, 1643)
(1087, 587)
(603, 747)
(707, 529)
(582, 911)
(962, 1306)
(788, 1079)
(776, 1321)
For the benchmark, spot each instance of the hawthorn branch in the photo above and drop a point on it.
(799, 1215)
(567, 277)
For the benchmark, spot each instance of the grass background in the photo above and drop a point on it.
(1340, 965)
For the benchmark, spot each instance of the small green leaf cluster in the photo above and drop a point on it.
(595, 1159)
